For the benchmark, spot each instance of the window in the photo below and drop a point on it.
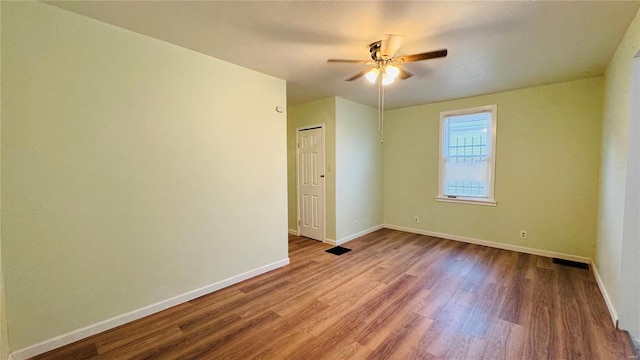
(467, 155)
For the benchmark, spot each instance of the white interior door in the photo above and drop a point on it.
(311, 183)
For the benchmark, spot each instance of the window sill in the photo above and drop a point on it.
(466, 200)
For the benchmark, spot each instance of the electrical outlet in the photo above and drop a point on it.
(523, 234)
(416, 219)
(355, 223)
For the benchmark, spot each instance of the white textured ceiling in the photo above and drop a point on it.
(493, 46)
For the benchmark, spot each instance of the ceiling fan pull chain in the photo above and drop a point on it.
(379, 97)
(381, 111)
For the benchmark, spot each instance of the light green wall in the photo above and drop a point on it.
(359, 171)
(313, 113)
(134, 171)
(614, 153)
(4, 336)
(548, 141)
(4, 341)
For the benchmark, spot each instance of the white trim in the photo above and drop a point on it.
(324, 179)
(293, 232)
(352, 237)
(466, 200)
(493, 244)
(636, 342)
(628, 295)
(491, 157)
(330, 241)
(605, 294)
(116, 321)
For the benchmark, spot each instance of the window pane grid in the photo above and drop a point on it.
(469, 150)
(467, 188)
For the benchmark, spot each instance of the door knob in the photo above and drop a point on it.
(321, 176)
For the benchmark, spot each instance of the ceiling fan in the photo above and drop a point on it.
(384, 58)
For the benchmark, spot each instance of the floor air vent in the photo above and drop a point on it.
(575, 264)
(338, 250)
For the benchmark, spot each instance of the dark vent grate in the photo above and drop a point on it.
(338, 250)
(571, 263)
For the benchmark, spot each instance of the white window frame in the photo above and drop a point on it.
(490, 199)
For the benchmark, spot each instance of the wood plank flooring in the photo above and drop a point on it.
(395, 296)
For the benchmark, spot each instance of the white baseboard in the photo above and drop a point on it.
(352, 237)
(493, 244)
(605, 294)
(116, 321)
(293, 232)
(330, 241)
(357, 235)
(636, 342)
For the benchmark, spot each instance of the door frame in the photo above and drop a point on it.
(628, 315)
(324, 179)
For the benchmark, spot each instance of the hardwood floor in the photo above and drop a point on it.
(396, 295)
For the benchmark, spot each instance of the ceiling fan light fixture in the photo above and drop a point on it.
(386, 80)
(390, 74)
(372, 75)
(392, 71)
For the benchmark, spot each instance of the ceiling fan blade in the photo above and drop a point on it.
(358, 75)
(349, 61)
(390, 46)
(424, 56)
(404, 74)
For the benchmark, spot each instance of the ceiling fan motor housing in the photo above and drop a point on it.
(374, 49)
